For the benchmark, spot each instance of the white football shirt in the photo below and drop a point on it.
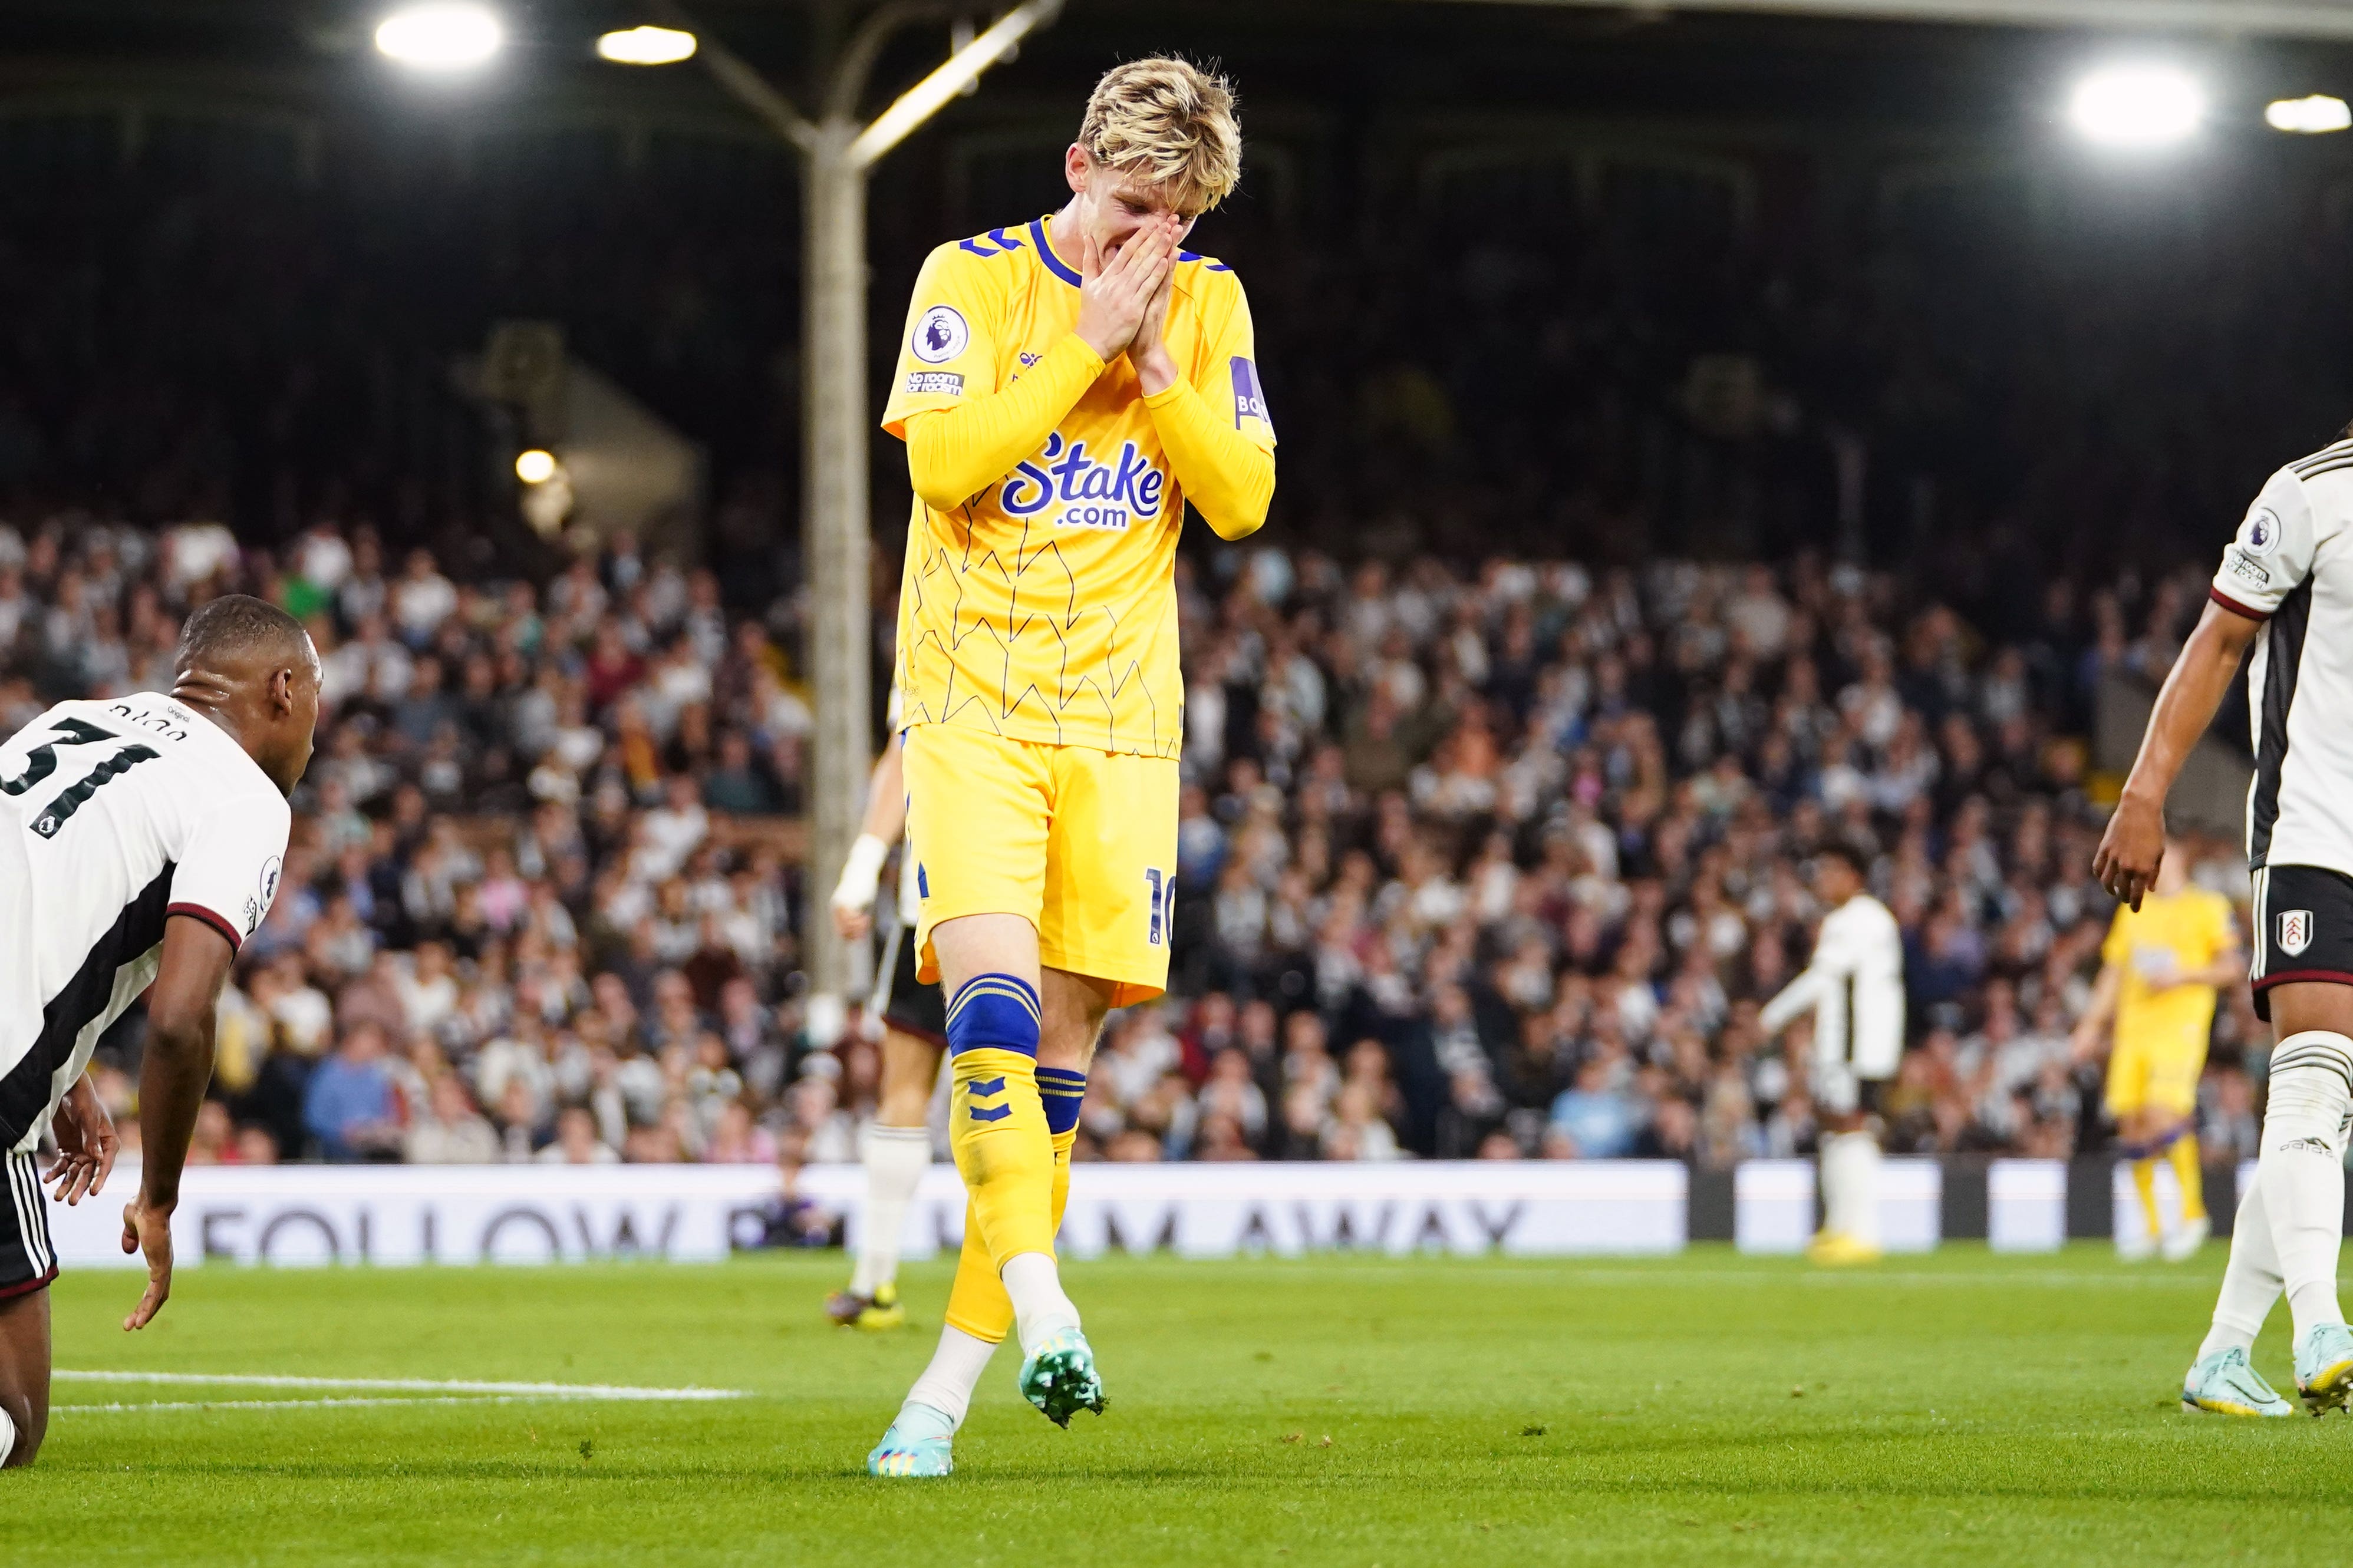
(2291, 565)
(113, 815)
(1855, 985)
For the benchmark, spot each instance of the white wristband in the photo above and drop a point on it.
(861, 873)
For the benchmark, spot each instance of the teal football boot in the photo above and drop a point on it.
(1061, 1379)
(2224, 1384)
(918, 1444)
(2323, 1367)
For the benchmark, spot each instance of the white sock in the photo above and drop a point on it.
(1039, 1307)
(2302, 1169)
(2250, 1282)
(7, 1436)
(1850, 1162)
(1865, 1188)
(947, 1384)
(895, 1159)
(1831, 1177)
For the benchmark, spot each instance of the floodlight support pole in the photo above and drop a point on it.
(837, 437)
(835, 527)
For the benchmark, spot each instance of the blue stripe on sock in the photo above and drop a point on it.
(985, 1113)
(994, 1012)
(1064, 1092)
(982, 1088)
(1005, 987)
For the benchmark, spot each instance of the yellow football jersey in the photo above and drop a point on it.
(1044, 608)
(2171, 935)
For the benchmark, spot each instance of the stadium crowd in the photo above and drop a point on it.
(1496, 863)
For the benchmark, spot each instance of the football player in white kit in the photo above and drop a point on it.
(913, 1018)
(1853, 985)
(141, 841)
(2285, 590)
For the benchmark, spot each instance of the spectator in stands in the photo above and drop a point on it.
(451, 1132)
(350, 1106)
(1469, 861)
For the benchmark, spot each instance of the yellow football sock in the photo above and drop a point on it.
(996, 1122)
(2190, 1174)
(2143, 1175)
(997, 1127)
(977, 1303)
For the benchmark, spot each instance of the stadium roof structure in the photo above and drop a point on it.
(2279, 18)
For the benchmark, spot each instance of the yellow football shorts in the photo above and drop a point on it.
(1081, 844)
(2156, 1070)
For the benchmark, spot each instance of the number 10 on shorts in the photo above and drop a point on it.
(1160, 891)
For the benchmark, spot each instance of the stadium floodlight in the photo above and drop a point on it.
(535, 466)
(2313, 116)
(441, 35)
(961, 69)
(646, 45)
(2138, 106)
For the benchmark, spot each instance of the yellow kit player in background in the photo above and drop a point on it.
(2159, 971)
(1067, 384)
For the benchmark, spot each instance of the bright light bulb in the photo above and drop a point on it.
(442, 34)
(2138, 106)
(2309, 116)
(646, 45)
(535, 466)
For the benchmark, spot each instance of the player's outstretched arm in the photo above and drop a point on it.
(2126, 862)
(2230, 967)
(1832, 962)
(1792, 1000)
(2091, 1031)
(886, 819)
(177, 1066)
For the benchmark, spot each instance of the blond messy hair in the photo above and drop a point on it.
(1168, 123)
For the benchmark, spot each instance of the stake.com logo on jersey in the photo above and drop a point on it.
(1108, 494)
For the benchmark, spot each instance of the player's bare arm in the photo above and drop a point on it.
(2134, 845)
(259, 683)
(2090, 1038)
(886, 819)
(172, 1074)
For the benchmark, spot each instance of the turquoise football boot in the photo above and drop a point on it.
(2323, 1367)
(1061, 1379)
(2223, 1383)
(917, 1445)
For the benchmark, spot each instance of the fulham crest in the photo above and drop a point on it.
(2295, 931)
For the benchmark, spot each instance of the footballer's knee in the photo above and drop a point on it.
(24, 1377)
(28, 1423)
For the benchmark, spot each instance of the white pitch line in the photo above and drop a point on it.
(122, 1409)
(605, 1391)
(1673, 1276)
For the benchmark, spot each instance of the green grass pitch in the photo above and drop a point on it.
(1960, 1408)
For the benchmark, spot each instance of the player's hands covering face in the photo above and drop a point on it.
(1113, 298)
(1155, 367)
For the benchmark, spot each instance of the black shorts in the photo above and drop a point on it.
(28, 1259)
(914, 1008)
(2304, 929)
